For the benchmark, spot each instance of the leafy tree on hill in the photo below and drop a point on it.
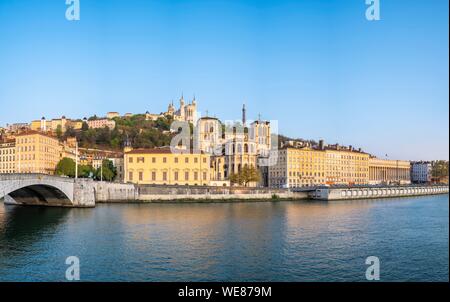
(142, 133)
(84, 126)
(59, 132)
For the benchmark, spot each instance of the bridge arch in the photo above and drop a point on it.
(40, 195)
(36, 190)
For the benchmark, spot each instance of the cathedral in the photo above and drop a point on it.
(186, 112)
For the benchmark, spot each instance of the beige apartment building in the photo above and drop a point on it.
(384, 171)
(37, 153)
(161, 166)
(8, 156)
(346, 166)
(300, 167)
(297, 167)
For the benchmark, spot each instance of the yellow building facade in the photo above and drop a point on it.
(36, 153)
(384, 171)
(347, 167)
(161, 166)
(7, 156)
(300, 167)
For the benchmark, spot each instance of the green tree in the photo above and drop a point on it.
(66, 167)
(108, 171)
(84, 126)
(59, 132)
(70, 132)
(86, 171)
(440, 168)
(245, 176)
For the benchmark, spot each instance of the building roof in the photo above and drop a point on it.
(34, 132)
(161, 150)
(165, 150)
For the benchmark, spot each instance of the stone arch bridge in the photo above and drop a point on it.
(46, 190)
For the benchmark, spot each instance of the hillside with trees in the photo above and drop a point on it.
(138, 131)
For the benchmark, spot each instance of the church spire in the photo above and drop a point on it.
(244, 111)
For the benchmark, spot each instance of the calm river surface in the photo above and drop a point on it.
(283, 241)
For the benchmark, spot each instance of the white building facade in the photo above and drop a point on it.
(421, 172)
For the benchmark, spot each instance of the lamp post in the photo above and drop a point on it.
(76, 159)
(101, 171)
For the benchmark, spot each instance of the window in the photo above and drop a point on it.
(141, 176)
(130, 160)
(130, 176)
(140, 160)
(176, 175)
(164, 159)
(186, 175)
(195, 160)
(204, 160)
(153, 176)
(196, 176)
(176, 160)
(186, 160)
(204, 175)
(153, 160)
(164, 176)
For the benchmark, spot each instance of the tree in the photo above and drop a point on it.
(107, 172)
(440, 168)
(66, 167)
(245, 176)
(70, 132)
(59, 132)
(84, 126)
(86, 171)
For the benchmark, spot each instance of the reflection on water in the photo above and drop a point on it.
(286, 241)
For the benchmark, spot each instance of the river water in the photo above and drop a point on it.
(267, 241)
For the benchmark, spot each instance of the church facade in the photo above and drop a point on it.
(186, 112)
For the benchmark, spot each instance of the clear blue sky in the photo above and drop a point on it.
(317, 66)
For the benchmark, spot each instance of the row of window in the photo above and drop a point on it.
(154, 160)
(7, 151)
(164, 176)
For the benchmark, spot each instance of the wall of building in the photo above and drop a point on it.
(161, 166)
(383, 171)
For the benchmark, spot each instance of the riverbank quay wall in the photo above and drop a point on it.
(113, 192)
(376, 192)
(166, 193)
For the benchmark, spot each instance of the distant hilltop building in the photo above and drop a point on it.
(101, 123)
(53, 125)
(186, 112)
(16, 127)
(112, 114)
